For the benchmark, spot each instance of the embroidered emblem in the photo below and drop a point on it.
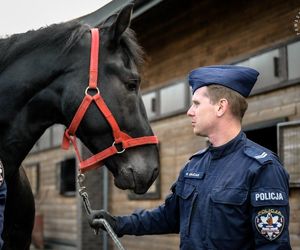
(1, 173)
(269, 223)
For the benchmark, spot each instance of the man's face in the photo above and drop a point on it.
(202, 113)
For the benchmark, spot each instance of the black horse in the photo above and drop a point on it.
(43, 75)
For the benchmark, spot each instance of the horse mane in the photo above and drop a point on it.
(65, 36)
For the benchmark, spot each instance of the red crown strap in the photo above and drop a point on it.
(94, 58)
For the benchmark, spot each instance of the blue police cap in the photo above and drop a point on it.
(238, 78)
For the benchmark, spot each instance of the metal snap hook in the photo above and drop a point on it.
(80, 177)
(118, 152)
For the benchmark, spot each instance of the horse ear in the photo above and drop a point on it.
(109, 21)
(100, 16)
(120, 24)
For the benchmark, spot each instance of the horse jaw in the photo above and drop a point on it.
(136, 170)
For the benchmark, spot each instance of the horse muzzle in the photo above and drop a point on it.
(135, 179)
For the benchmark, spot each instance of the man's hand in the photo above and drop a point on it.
(101, 214)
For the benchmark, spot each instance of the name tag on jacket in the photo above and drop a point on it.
(194, 175)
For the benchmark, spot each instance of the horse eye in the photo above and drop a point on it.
(133, 84)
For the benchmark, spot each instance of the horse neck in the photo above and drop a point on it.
(27, 105)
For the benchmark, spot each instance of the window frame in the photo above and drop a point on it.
(280, 145)
(283, 66)
(157, 92)
(283, 69)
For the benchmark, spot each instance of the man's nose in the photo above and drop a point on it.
(190, 112)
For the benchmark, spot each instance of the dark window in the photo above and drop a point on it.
(266, 137)
(67, 184)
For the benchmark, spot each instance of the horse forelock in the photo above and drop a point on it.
(64, 36)
(134, 50)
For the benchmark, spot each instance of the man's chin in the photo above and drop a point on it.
(196, 132)
(199, 133)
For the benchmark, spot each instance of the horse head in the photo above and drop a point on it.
(119, 85)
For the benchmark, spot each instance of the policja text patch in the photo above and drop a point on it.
(269, 196)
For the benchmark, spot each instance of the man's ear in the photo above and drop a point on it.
(222, 107)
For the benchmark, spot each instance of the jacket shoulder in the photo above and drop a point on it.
(259, 153)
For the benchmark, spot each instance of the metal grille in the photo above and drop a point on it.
(289, 149)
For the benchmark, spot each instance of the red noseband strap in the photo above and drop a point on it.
(120, 138)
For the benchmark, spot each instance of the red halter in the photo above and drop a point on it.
(119, 136)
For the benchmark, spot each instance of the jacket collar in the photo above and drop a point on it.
(229, 147)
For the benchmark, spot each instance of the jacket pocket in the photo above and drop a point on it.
(187, 201)
(229, 196)
(229, 217)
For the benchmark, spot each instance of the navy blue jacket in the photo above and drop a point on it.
(232, 197)
(2, 206)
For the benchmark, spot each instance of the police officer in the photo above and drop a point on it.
(232, 195)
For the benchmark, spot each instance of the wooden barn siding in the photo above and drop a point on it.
(60, 213)
(192, 33)
(178, 41)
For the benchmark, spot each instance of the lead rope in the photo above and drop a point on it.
(87, 205)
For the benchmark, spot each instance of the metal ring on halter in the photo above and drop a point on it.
(118, 152)
(89, 88)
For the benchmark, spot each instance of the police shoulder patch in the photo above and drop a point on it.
(270, 223)
(1, 173)
(258, 154)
